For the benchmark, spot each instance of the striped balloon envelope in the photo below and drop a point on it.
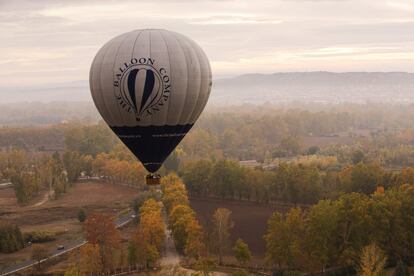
(150, 86)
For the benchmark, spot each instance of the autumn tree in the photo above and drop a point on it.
(151, 225)
(101, 230)
(242, 252)
(321, 234)
(26, 185)
(132, 253)
(361, 178)
(194, 245)
(179, 218)
(90, 139)
(372, 261)
(91, 259)
(150, 206)
(117, 170)
(222, 225)
(72, 162)
(283, 239)
(140, 199)
(146, 253)
(174, 192)
(355, 226)
(148, 240)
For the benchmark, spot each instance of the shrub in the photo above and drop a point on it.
(81, 215)
(39, 236)
(11, 238)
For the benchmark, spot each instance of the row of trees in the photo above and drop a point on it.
(147, 242)
(248, 133)
(127, 171)
(187, 233)
(295, 182)
(334, 233)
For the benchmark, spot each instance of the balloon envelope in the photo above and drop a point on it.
(150, 86)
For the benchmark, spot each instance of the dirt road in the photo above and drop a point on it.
(170, 257)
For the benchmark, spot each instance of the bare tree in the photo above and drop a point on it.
(222, 226)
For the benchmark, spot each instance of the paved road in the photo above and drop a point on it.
(5, 185)
(121, 221)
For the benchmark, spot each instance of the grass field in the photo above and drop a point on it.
(60, 216)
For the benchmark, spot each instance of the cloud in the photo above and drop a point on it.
(233, 20)
(41, 37)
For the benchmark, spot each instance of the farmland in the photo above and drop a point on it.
(60, 216)
(245, 215)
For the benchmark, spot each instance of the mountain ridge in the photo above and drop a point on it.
(255, 88)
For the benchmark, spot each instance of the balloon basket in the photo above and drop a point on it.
(153, 179)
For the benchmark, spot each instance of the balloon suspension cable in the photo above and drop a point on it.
(153, 179)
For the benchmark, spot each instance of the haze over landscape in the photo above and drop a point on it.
(256, 88)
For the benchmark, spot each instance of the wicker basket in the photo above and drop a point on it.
(152, 179)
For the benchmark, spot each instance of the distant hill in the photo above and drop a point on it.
(75, 91)
(314, 87)
(258, 88)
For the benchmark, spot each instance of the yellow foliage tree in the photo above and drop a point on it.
(194, 246)
(90, 259)
(372, 261)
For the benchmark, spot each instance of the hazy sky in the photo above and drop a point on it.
(54, 41)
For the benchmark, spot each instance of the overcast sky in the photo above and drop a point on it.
(47, 41)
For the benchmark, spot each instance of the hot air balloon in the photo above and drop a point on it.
(150, 86)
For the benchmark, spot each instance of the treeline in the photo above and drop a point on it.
(33, 138)
(117, 170)
(344, 233)
(243, 136)
(260, 133)
(147, 243)
(187, 232)
(31, 174)
(90, 139)
(296, 182)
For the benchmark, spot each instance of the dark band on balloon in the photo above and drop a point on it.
(152, 144)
